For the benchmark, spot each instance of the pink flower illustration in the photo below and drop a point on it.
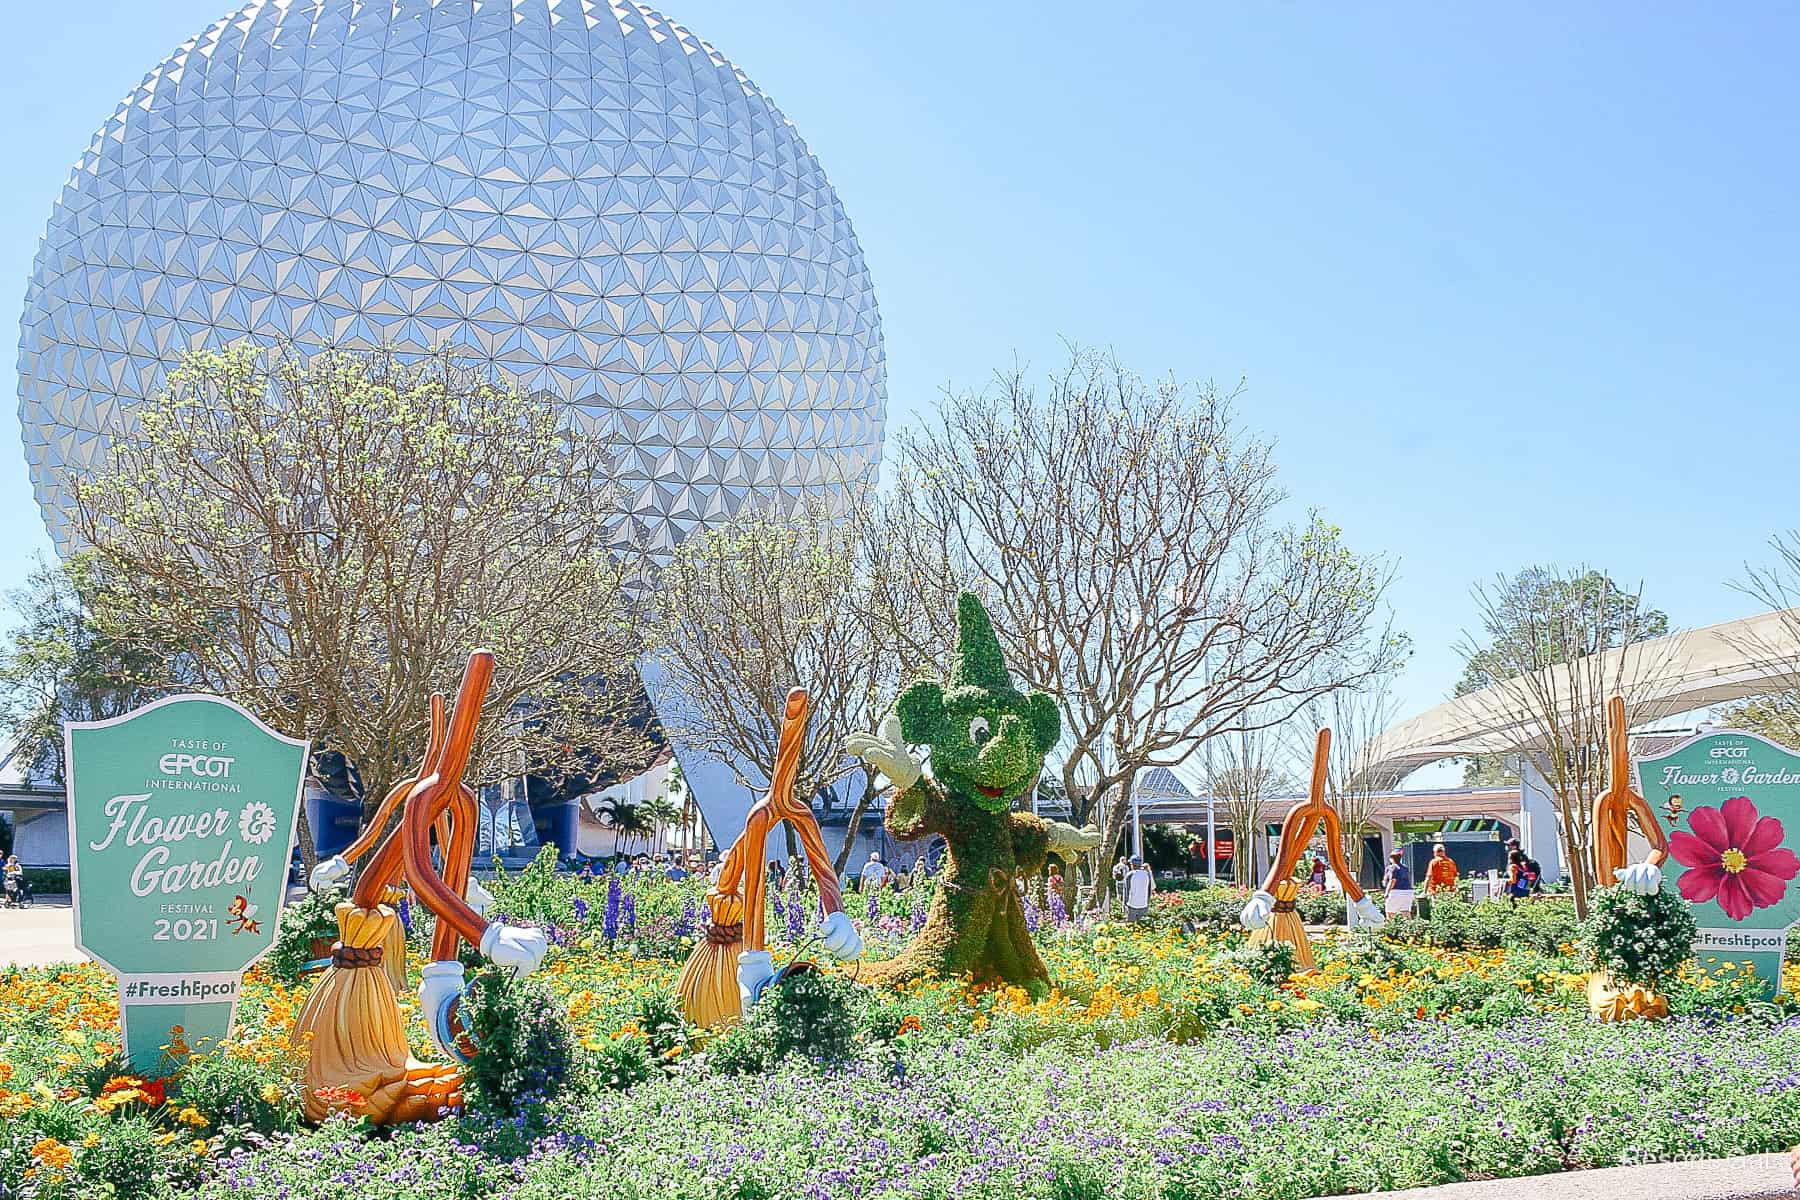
(1734, 856)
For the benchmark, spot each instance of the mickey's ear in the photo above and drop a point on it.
(1046, 721)
(921, 710)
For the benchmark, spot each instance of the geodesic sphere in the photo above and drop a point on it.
(585, 195)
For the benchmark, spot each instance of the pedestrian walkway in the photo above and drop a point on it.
(43, 933)
(1757, 1177)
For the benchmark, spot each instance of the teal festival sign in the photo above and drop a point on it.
(181, 825)
(1735, 828)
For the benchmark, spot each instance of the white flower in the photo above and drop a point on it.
(256, 823)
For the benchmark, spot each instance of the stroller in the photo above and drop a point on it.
(17, 893)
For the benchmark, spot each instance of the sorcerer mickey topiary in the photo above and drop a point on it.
(988, 741)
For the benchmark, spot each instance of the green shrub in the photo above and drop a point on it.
(48, 881)
(1269, 963)
(811, 1015)
(622, 1062)
(525, 1053)
(742, 1049)
(313, 916)
(1639, 939)
(124, 1162)
(665, 1029)
(238, 1098)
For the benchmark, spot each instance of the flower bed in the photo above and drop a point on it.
(1165, 1065)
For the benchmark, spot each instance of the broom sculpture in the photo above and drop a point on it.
(330, 872)
(1271, 914)
(1611, 999)
(731, 966)
(358, 1056)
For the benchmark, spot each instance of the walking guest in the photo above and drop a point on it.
(1119, 869)
(14, 878)
(1518, 876)
(1441, 875)
(874, 872)
(1139, 883)
(1398, 881)
(1318, 873)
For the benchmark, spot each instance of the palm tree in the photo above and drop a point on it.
(663, 812)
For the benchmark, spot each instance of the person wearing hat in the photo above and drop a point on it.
(1139, 883)
(874, 872)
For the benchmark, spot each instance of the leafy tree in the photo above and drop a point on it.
(1776, 716)
(1543, 614)
(61, 666)
(324, 540)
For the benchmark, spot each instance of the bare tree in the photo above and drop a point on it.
(1243, 772)
(767, 602)
(325, 540)
(1774, 643)
(1557, 646)
(1127, 542)
(1357, 718)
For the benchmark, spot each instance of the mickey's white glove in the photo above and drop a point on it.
(886, 751)
(440, 986)
(479, 898)
(1363, 912)
(1256, 913)
(755, 969)
(514, 946)
(1642, 878)
(328, 873)
(839, 937)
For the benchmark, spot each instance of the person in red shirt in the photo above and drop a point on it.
(1440, 875)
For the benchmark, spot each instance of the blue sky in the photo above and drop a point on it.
(1507, 284)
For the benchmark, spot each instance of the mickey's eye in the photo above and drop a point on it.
(979, 731)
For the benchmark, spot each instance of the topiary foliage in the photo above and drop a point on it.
(988, 742)
(1639, 939)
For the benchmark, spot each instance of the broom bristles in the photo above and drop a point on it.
(356, 1041)
(709, 987)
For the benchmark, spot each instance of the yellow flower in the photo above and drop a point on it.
(271, 1093)
(191, 1116)
(199, 1147)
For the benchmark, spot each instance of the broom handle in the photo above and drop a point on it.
(788, 748)
(437, 791)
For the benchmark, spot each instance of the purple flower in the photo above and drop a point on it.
(581, 910)
(630, 913)
(689, 919)
(874, 908)
(610, 925)
(796, 920)
(405, 914)
(1059, 912)
(1031, 915)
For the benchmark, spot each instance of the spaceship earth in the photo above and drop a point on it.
(585, 195)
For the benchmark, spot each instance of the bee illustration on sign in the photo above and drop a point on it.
(243, 916)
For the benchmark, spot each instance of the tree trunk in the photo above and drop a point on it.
(1113, 818)
(856, 819)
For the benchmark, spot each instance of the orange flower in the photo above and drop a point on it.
(52, 1153)
(340, 1097)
